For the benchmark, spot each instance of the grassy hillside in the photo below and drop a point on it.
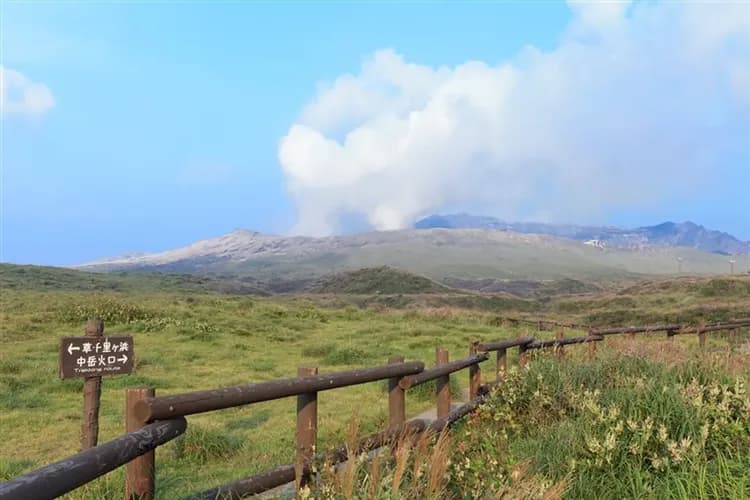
(689, 300)
(525, 288)
(16, 277)
(379, 280)
(684, 299)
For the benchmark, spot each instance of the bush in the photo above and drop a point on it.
(109, 310)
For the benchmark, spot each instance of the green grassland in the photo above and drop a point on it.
(189, 342)
(16, 277)
(189, 337)
(380, 280)
(681, 300)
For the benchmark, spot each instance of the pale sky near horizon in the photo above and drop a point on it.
(143, 126)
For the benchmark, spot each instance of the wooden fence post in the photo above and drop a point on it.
(501, 365)
(307, 430)
(522, 356)
(140, 472)
(442, 385)
(92, 392)
(396, 398)
(701, 337)
(559, 351)
(475, 373)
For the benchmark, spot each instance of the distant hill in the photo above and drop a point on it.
(525, 288)
(687, 299)
(439, 254)
(379, 280)
(685, 234)
(45, 278)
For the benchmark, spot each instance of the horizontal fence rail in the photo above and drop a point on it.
(543, 324)
(504, 344)
(66, 475)
(712, 328)
(441, 370)
(540, 344)
(252, 485)
(633, 329)
(203, 401)
(285, 474)
(669, 328)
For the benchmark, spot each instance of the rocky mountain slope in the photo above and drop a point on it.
(685, 234)
(440, 254)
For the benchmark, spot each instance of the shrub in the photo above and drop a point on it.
(109, 310)
(617, 428)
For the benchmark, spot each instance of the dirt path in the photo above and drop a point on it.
(430, 414)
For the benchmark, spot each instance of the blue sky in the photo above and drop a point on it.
(167, 121)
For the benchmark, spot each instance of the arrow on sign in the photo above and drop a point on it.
(123, 359)
(72, 348)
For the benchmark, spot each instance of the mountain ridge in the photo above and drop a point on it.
(685, 234)
(443, 255)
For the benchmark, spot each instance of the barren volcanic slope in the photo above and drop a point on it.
(440, 254)
(684, 234)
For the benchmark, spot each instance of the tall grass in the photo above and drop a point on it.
(657, 421)
(622, 427)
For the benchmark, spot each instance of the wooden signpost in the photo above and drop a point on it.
(87, 357)
(92, 357)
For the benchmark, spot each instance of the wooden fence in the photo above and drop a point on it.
(152, 421)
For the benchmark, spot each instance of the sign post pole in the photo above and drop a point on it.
(92, 357)
(92, 391)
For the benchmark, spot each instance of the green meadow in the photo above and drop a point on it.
(188, 339)
(193, 342)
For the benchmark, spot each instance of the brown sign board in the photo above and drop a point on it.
(96, 356)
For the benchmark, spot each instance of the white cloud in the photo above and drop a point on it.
(636, 102)
(21, 96)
